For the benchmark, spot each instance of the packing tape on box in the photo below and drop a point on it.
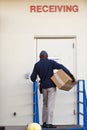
(68, 85)
(59, 79)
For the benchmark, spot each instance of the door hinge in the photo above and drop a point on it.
(74, 112)
(73, 45)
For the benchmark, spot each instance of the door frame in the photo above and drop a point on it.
(74, 60)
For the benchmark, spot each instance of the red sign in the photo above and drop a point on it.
(53, 8)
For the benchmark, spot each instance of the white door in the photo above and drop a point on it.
(63, 50)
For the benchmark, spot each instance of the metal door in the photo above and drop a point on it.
(62, 50)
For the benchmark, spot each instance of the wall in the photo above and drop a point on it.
(18, 50)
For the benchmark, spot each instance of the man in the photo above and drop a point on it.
(44, 69)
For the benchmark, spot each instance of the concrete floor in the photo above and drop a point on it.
(59, 127)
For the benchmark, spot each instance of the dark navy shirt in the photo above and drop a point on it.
(44, 69)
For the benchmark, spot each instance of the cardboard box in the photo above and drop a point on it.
(63, 81)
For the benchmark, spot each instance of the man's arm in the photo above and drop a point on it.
(68, 72)
(34, 74)
(60, 66)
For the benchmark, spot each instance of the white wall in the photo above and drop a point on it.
(18, 50)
